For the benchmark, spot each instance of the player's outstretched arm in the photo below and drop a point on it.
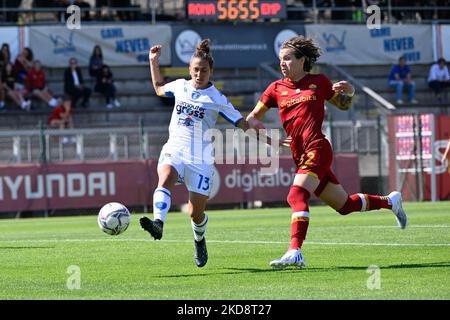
(157, 79)
(343, 96)
(254, 122)
(255, 117)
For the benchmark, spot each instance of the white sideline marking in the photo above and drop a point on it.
(368, 244)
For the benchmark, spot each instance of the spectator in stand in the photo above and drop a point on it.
(105, 85)
(400, 77)
(61, 117)
(74, 84)
(439, 78)
(8, 82)
(23, 64)
(5, 58)
(96, 61)
(5, 55)
(36, 84)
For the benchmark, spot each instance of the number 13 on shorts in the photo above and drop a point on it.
(203, 183)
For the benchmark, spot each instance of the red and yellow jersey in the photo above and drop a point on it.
(301, 107)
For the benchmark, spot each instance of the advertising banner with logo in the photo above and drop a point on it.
(121, 44)
(358, 45)
(90, 184)
(232, 46)
(73, 185)
(404, 169)
(16, 38)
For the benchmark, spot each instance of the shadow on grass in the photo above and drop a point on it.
(12, 248)
(444, 264)
(218, 272)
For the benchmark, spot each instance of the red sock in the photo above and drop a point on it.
(364, 202)
(298, 200)
(377, 202)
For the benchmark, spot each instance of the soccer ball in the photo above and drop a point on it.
(114, 218)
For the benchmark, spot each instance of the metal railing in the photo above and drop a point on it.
(39, 145)
(78, 144)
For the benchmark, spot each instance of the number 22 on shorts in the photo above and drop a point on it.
(309, 161)
(203, 183)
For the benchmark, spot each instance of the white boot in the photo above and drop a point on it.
(293, 257)
(400, 215)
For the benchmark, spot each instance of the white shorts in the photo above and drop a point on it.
(196, 177)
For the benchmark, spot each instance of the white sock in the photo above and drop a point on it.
(53, 102)
(161, 203)
(199, 229)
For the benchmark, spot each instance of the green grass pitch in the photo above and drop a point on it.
(36, 256)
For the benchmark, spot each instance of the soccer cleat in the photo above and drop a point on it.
(201, 254)
(155, 228)
(293, 257)
(400, 215)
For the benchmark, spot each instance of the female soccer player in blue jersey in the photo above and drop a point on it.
(197, 105)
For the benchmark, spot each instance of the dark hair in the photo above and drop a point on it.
(401, 58)
(93, 51)
(30, 54)
(202, 52)
(303, 47)
(441, 60)
(5, 45)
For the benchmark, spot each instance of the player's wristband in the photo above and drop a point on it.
(351, 94)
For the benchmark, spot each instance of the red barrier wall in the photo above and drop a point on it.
(90, 184)
(409, 190)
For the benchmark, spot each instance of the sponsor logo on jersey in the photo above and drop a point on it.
(187, 122)
(291, 102)
(190, 110)
(195, 95)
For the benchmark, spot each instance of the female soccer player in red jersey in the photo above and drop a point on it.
(300, 98)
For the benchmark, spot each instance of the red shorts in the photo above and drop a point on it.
(316, 160)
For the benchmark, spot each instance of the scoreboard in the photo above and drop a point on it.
(235, 10)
